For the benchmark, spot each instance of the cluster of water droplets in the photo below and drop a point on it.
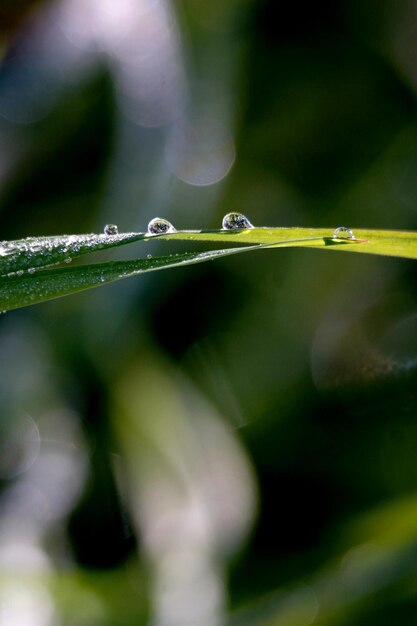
(231, 221)
(27, 255)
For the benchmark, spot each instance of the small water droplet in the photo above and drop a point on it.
(149, 256)
(20, 272)
(158, 226)
(68, 259)
(343, 233)
(111, 229)
(31, 270)
(234, 221)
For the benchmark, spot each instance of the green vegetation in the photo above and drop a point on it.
(231, 443)
(28, 256)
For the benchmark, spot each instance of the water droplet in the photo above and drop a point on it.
(111, 229)
(31, 270)
(343, 233)
(158, 226)
(149, 256)
(20, 272)
(234, 221)
(68, 259)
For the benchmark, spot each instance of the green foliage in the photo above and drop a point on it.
(24, 279)
(240, 434)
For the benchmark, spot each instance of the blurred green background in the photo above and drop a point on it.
(231, 443)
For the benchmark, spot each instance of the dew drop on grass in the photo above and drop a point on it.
(158, 226)
(343, 233)
(111, 229)
(149, 256)
(68, 259)
(234, 221)
(31, 270)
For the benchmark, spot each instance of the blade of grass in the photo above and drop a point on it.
(41, 252)
(37, 252)
(384, 242)
(18, 291)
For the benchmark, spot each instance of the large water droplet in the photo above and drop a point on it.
(234, 221)
(111, 229)
(158, 226)
(343, 233)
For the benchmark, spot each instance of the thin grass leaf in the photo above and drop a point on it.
(37, 252)
(401, 244)
(22, 290)
(42, 252)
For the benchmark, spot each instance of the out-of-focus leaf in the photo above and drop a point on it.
(383, 556)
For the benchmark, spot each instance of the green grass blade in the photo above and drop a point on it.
(401, 244)
(19, 291)
(38, 252)
(21, 288)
